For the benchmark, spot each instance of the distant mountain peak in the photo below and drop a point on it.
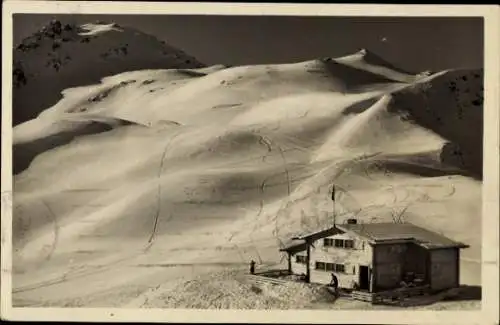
(372, 58)
(62, 55)
(363, 52)
(54, 30)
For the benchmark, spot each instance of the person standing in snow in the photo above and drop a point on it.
(335, 283)
(252, 267)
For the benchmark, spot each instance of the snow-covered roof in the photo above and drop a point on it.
(294, 246)
(380, 233)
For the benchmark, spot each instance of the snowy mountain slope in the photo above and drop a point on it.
(160, 175)
(62, 56)
(451, 106)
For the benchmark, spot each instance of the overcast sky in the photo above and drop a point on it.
(414, 44)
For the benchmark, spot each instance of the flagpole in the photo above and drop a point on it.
(334, 221)
(333, 205)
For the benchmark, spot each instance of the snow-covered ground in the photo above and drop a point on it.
(155, 188)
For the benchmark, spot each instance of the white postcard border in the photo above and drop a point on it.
(490, 216)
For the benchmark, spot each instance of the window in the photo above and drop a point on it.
(320, 266)
(340, 268)
(330, 267)
(300, 259)
(340, 243)
(328, 242)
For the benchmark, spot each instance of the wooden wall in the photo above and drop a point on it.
(416, 260)
(444, 268)
(388, 265)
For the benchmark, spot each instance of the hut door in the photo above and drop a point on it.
(364, 277)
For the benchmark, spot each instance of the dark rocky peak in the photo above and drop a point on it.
(53, 32)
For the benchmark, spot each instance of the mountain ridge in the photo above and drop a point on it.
(45, 63)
